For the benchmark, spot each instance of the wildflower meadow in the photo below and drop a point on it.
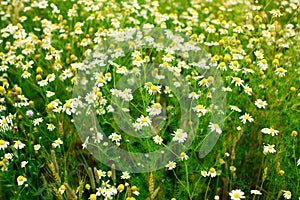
(150, 100)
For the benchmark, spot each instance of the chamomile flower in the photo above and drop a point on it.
(3, 144)
(212, 172)
(260, 103)
(179, 136)
(125, 175)
(167, 58)
(25, 74)
(37, 121)
(259, 54)
(237, 194)
(37, 147)
(21, 180)
(91, 97)
(115, 137)
(269, 148)
(246, 117)
(157, 139)
(171, 165)
(19, 145)
(280, 72)
(248, 90)
(9, 156)
(204, 173)
(270, 131)
(215, 127)
(287, 194)
(155, 109)
(200, 110)
(50, 126)
(237, 81)
(235, 108)
(57, 143)
(101, 173)
(183, 156)
(194, 95)
(43, 83)
(154, 89)
(144, 121)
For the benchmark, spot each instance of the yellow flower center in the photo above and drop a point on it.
(281, 70)
(236, 79)
(154, 87)
(212, 170)
(2, 142)
(68, 105)
(236, 195)
(20, 178)
(144, 119)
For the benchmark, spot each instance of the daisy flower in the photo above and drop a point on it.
(269, 149)
(237, 81)
(144, 121)
(237, 194)
(43, 83)
(171, 165)
(157, 139)
(50, 126)
(3, 144)
(154, 89)
(183, 156)
(212, 172)
(260, 103)
(179, 135)
(37, 121)
(280, 72)
(91, 97)
(115, 137)
(204, 173)
(287, 194)
(37, 147)
(246, 117)
(259, 55)
(235, 108)
(19, 145)
(8, 156)
(21, 180)
(215, 127)
(125, 175)
(57, 143)
(269, 131)
(101, 173)
(193, 95)
(168, 58)
(200, 110)
(248, 90)
(155, 109)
